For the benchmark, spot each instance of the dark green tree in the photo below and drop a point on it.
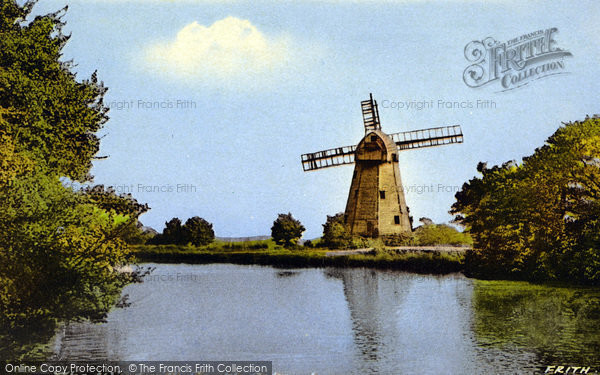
(335, 232)
(286, 231)
(198, 231)
(538, 220)
(54, 116)
(173, 232)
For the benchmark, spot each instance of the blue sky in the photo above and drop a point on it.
(218, 99)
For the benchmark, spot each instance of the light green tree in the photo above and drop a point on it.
(335, 232)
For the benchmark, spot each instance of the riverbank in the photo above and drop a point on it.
(426, 260)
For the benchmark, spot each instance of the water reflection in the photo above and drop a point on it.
(369, 298)
(561, 325)
(343, 321)
(80, 341)
(404, 322)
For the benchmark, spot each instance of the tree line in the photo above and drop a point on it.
(196, 231)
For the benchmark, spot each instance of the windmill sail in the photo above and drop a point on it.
(376, 204)
(370, 114)
(430, 137)
(328, 158)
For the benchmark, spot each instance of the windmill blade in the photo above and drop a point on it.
(430, 137)
(370, 114)
(328, 158)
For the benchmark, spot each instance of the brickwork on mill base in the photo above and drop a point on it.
(376, 205)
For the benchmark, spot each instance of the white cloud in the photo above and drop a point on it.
(230, 49)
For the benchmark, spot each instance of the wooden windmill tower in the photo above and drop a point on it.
(376, 205)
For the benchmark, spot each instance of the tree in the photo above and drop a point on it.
(173, 232)
(59, 255)
(54, 117)
(60, 249)
(335, 232)
(198, 231)
(136, 233)
(538, 220)
(286, 230)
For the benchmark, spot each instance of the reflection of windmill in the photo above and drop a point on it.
(376, 204)
(374, 299)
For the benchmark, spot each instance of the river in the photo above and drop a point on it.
(343, 321)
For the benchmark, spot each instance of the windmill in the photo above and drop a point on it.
(376, 205)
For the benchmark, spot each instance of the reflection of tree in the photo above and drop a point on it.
(373, 299)
(561, 324)
(84, 341)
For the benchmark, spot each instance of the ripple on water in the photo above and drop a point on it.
(341, 321)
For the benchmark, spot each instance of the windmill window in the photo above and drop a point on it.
(394, 157)
(396, 219)
(382, 194)
(373, 138)
(356, 193)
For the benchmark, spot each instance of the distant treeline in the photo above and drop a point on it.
(287, 231)
(196, 231)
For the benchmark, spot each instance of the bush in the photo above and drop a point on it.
(335, 232)
(441, 234)
(400, 239)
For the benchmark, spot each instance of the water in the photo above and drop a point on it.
(343, 321)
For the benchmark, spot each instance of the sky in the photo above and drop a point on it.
(213, 102)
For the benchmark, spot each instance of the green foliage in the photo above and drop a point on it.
(244, 253)
(336, 236)
(215, 246)
(400, 239)
(357, 242)
(335, 232)
(286, 231)
(440, 234)
(134, 234)
(59, 254)
(198, 231)
(54, 117)
(538, 220)
(172, 234)
(61, 251)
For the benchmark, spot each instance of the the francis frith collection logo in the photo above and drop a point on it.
(516, 62)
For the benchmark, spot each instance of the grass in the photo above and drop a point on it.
(268, 253)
